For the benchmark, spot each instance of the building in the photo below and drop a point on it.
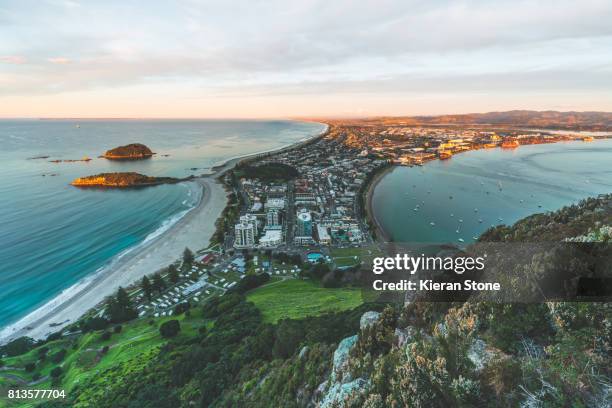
(272, 238)
(324, 237)
(273, 218)
(245, 232)
(275, 204)
(304, 224)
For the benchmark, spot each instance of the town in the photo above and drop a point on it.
(307, 205)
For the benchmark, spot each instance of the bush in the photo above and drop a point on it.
(105, 336)
(18, 346)
(170, 328)
(56, 372)
(117, 329)
(94, 323)
(59, 356)
(181, 308)
(29, 367)
(105, 349)
(54, 336)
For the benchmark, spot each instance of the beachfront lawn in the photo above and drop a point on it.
(297, 299)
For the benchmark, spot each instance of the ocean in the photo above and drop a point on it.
(52, 235)
(458, 199)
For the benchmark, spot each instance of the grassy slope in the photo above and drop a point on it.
(84, 360)
(297, 299)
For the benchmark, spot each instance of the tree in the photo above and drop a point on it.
(18, 346)
(120, 308)
(147, 289)
(56, 372)
(170, 328)
(29, 367)
(59, 356)
(158, 283)
(188, 257)
(173, 273)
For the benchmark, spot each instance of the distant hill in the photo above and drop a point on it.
(594, 121)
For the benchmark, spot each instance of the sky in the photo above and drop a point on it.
(300, 58)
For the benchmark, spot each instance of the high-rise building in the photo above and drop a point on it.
(245, 232)
(273, 218)
(304, 224)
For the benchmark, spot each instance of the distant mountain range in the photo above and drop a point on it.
(594, 121)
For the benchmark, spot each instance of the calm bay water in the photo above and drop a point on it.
(488, 187)
(52, 235)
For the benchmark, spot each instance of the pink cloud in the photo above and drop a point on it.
(59, 60)
(12, 59)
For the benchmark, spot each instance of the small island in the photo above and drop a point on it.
(122, 180)
(133, 151)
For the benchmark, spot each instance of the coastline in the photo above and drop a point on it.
(194, 229)
(380, 234)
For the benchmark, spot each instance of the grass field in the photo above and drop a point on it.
(296, 299)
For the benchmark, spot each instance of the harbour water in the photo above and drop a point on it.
(53, 235)
(454, 201)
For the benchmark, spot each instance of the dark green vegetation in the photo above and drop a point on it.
(268, 172)
(294, 343)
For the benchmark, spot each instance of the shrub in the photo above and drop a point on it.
(29, 367)
(59, 356)
(170, 328)
(106, 335)
(117, 329)
(18, 346)
(181, 308)
(56, 372)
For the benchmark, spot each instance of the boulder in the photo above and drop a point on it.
(368, 319)
(341, 358)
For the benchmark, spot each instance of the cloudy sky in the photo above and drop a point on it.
(234, 58)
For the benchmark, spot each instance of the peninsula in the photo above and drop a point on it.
(133, 151)
(122, 180)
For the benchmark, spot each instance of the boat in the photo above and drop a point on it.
(460, 220)
(475, 209)
(480, 221)
(587, 139)
(77, 126)
(452, 215)
(460, 240)
(432, 223)
(457, 231)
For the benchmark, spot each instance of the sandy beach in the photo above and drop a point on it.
(193, 230)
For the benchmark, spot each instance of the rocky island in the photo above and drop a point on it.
(133, 151)
(122, 180)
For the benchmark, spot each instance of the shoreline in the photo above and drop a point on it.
(380, 234)
(194, 229)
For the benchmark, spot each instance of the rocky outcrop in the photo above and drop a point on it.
(134, 151)
(341, 386)
(368, 319)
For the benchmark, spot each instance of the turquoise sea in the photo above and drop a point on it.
(445, 201)
(52, 235)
